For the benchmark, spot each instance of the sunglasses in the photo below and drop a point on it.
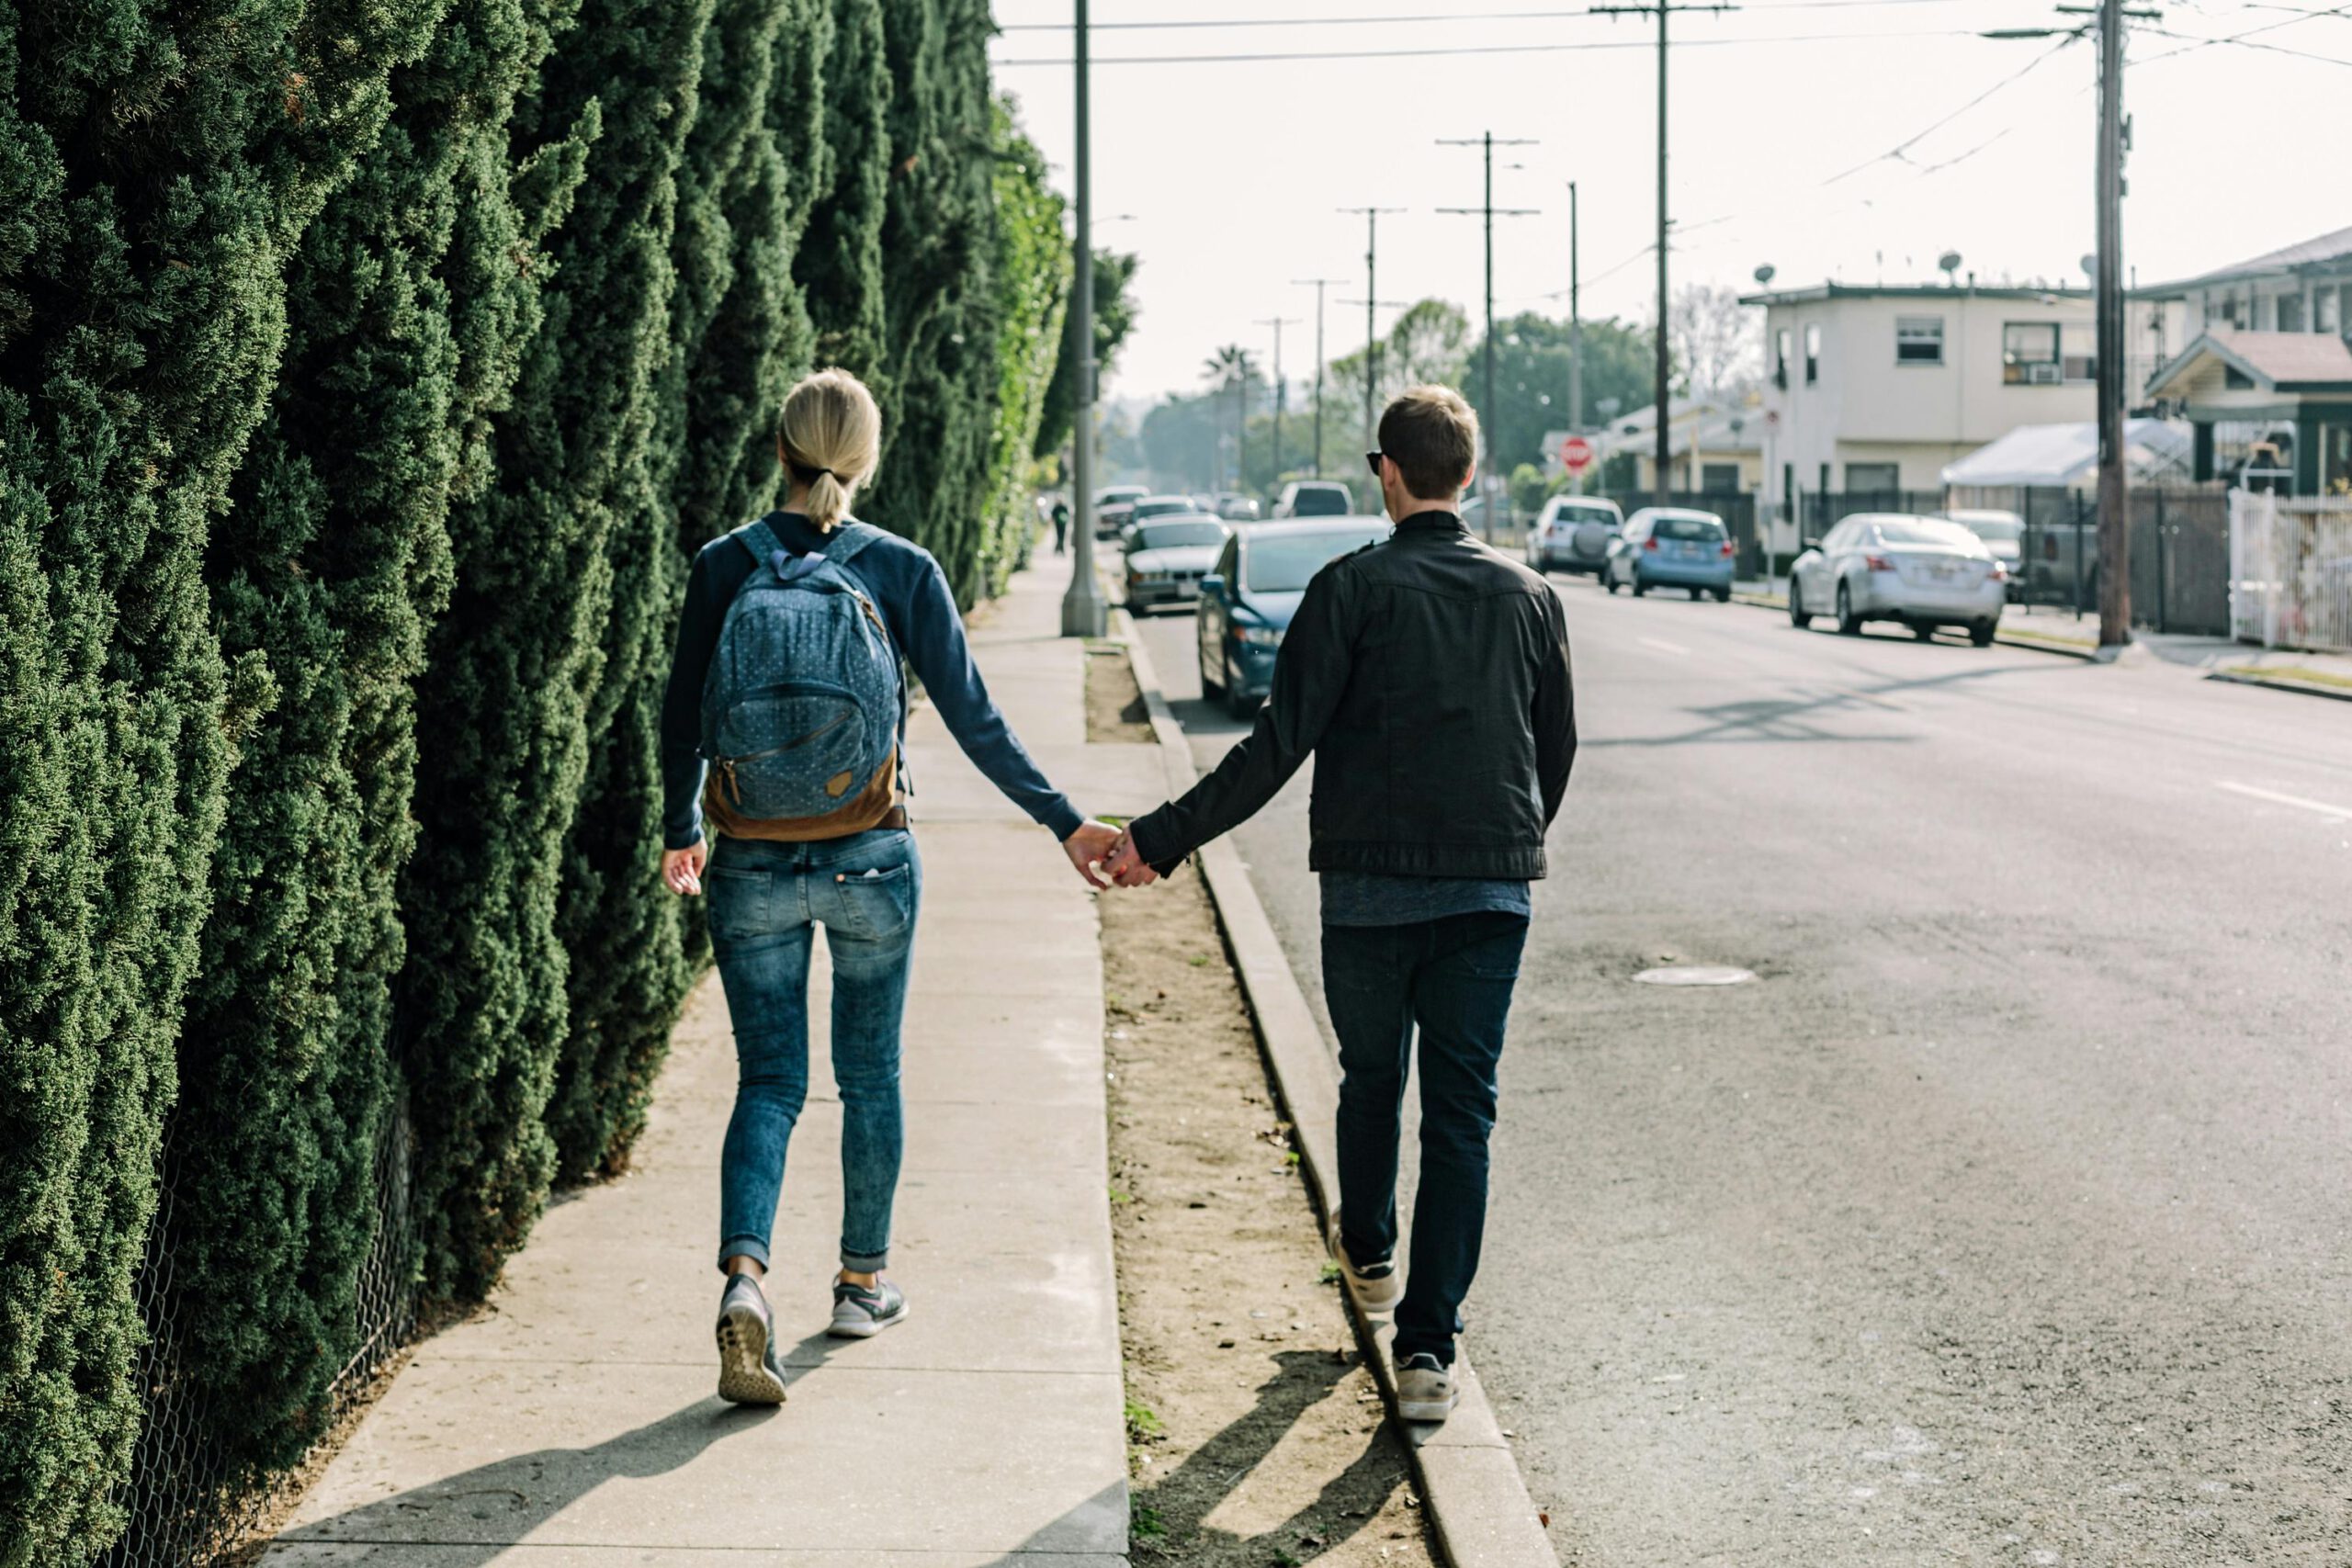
(1371, 461)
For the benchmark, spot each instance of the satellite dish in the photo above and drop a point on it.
(1764, 274)
(2090, 267)
(1948, 264)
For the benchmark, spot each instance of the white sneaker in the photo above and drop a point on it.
(1376, 1290)
(1425, 1391)
(749, 1372)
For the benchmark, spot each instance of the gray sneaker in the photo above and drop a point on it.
(1377, 1289)
(861, 1313)
(1425, 1391)
(749, 1372)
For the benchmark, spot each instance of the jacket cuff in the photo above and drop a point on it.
(1147, 831)
(671, 840)
(1062, 820)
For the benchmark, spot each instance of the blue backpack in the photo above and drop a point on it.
(801, 708)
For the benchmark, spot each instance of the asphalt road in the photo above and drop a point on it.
(2003, 1220)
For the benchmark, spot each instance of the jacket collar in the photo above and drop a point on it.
(1432, 522)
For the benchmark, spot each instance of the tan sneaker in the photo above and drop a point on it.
(1425, 1391)
(1376, 1290)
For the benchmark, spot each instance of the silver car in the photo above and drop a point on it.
(2004, 534)
(1572, 533)
(1167, 558)
(1923, 571)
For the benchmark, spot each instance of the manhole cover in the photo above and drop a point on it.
(1695, 974)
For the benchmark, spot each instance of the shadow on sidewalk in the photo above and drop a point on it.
(1173, 1510)
(472, 1517)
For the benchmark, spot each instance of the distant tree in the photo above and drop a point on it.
(1182, 438)
(1717, 342)
(1428, 344)
(1532, 359)
(1232, 371)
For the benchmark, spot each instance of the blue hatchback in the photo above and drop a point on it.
(1671, 547)
(1247, 601)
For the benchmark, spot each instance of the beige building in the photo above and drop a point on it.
(1871, 390)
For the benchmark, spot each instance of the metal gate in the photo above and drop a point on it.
(2290, 571)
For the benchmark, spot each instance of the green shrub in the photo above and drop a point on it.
(1031, 270)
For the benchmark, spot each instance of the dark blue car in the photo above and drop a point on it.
(1247, 601)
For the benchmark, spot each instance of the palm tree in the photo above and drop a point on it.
(1232, 367)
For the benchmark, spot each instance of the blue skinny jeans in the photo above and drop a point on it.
(765, 901)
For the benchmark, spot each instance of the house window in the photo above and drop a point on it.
(1781, 359)
(1918, 340)
(1872, 478)
(2029, 354)
(2325, 318)
(2078, 351)
(1719, 479)
(1812, 353)
(2229, 311)
(2290, 313)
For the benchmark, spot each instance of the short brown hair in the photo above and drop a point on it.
(1432, 438)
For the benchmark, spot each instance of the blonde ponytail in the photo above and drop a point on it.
(831, 437)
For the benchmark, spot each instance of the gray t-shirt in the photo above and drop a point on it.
(1368, 898)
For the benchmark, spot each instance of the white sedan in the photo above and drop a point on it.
(1922, 571)
(1167, 558)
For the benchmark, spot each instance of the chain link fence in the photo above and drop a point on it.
(187, 1506)
(2290, 571)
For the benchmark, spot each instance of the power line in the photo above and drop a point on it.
(1593, 46)
(1897, 152)
(1194, 22)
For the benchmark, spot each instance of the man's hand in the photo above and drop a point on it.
(682, 869)
(1127, 866)
(1090, 847)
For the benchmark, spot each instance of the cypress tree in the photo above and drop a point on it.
(938, 242)
(556, 562)
(739, 333)
(1032, 269)
(156, 167)
(839, 267)
(405, 310)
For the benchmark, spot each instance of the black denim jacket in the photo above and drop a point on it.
(1429, 675)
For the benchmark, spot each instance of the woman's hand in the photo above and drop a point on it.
(1090, 847)
(682, 869)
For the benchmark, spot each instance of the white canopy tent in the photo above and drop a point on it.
(2065, 457)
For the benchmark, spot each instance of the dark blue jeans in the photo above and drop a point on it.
(766, 900)
(1451, 978)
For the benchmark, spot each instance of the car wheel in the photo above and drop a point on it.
(1609, 579)
(1722, 595)
(1238, 705)
(1211, 687)
(1924, 630)
(1640, 587)
(1981, 634)
(1849, 623)
(1799, 617)
(1695, 595)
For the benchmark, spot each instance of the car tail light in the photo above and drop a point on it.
(1726, 550)
(1650, 543)
(2000, 573)
(1878, 563)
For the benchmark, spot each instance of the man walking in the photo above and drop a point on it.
(1429, 675)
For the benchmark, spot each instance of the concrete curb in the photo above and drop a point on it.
(1476, 1499)
(2307, 688)
(2032, 644)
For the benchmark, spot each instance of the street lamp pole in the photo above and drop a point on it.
(1083, 610)
(1319, 283)
(1370, 215)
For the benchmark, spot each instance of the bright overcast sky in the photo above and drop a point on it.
(1233, 171)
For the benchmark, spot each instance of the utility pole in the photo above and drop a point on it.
(1662, 381)
(1083, 611)
(1494, 413)
(1282, 390)
(1319, 283)
(1370, 215)
(2106, 19)
(1575, 338)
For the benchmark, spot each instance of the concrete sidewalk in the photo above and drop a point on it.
(573, 1420)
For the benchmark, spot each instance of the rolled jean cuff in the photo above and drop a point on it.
(748, 1247)
(865, 1262)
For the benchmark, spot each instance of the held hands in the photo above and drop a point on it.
(1127, 865)
(682, 869)
(1090, 847)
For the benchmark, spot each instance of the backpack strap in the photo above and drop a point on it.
(848, 539)
(760, 539)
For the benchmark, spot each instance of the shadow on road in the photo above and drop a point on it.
(1790, 718)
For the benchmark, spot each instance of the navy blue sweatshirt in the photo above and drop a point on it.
(912, 592)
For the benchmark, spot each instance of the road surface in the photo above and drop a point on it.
(2002, 1219)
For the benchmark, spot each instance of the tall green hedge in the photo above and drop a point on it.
(405, 314)
(367, 367)
(557, 565)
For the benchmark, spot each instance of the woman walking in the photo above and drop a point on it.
(783, 726)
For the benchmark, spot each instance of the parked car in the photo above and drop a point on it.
(1246, 602)
(1167, 558)
(2004, 534)
(1314, 498)
(1237, 508)
(1923, 571)
(1113, 505)
(1152, 506)
(1572, 533)
(1671, 547)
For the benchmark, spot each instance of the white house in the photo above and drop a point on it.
(1871, 390)
(1714, 445)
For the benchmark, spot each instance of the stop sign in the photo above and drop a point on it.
(1576, 454)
